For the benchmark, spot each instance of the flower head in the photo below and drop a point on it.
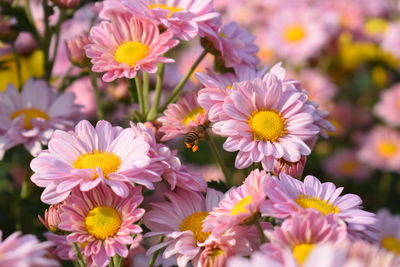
(389, 231)
(289, 197)
(345, 164)
(124, 45)
(102, 222)
(92, 156)
(388, 108)
(30, 117)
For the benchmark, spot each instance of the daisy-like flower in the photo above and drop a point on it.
(62, 248)
(183, 18)
(125, 44)
(180, 220)
(182, 117)
(288, 196)
(30, 117)
(102, 222)
(265, 122)
(389, 231)
(24, 250)
(166, 164)
(239, 205)
(391, 40)
(235, 44)
(381, 149)
(298, 236)
(92, 156)
(388, 108)
(345, 164)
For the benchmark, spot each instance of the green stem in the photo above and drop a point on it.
(218, 157)
(159, 85)
(155, 254)
(117, 260)
(81, 260)
(99, 104)
(139, 90)
(177, 90)
(384, 186)
(18, 64)
(260, 232)
(146, 89)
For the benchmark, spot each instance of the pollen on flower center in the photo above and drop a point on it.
(391, 243)
(102, 222)
(240, 207)
(192, 115)
(171, 9)
(29, 113)
(194, 223)
(315, 203)
(387, 149)
(267, 125)
(107, 162)
(294, 33)
(300, 252)
(131, 52)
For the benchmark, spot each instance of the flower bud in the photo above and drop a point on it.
(76, 51)
(7, 33)
(294, 169)
(52, 217)
(66, 3)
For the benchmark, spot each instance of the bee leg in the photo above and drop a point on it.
(195, 148)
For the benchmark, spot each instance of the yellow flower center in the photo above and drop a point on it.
(131, 52)
(29, 113)
(301, 252)
(240, 207)
(102, 222)
(294, 33)
(191, 116)
(349, 167)
(107, 162)
(171, 9)
(387, 149)
(376, 26)
(229, 87)
(194, 223)
(267, 125)
(216, 252)
(391, 243)
(315, 203)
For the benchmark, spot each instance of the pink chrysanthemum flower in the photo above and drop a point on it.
(297, 236)
(388, 226)
(167, 165)
(294, 169)
(345, 164)
(92, 156)
(31, 117)
(125, 44)
(235, 44)
(391, 39)
(289, 196)
(381, 149)
(102, 222)
(388, 108)
(180, 220)
(181, 17)
(24, 250)
(182, 117)
(62, 248)
(265, 122)
(239, 204)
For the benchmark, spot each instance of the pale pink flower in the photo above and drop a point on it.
(180, 220)
(61, 247)
(288, 196)
(183, 18)
(85, 96)
(51, 217)
(388, 108)
(166, 164)
(391, 40)
(257, 259)
(266, 120)
(92, 156)
(102, 222)
(235, 44)
(296, 238)
(381, 149)
(125, 44)
(345, 164)
(25, 251)
(182, 117)
(388, 226)
(294, 169)
(239, 204)
(30, 117)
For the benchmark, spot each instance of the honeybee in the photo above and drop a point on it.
(192, 139)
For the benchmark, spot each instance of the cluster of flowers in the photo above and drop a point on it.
(112, 189)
